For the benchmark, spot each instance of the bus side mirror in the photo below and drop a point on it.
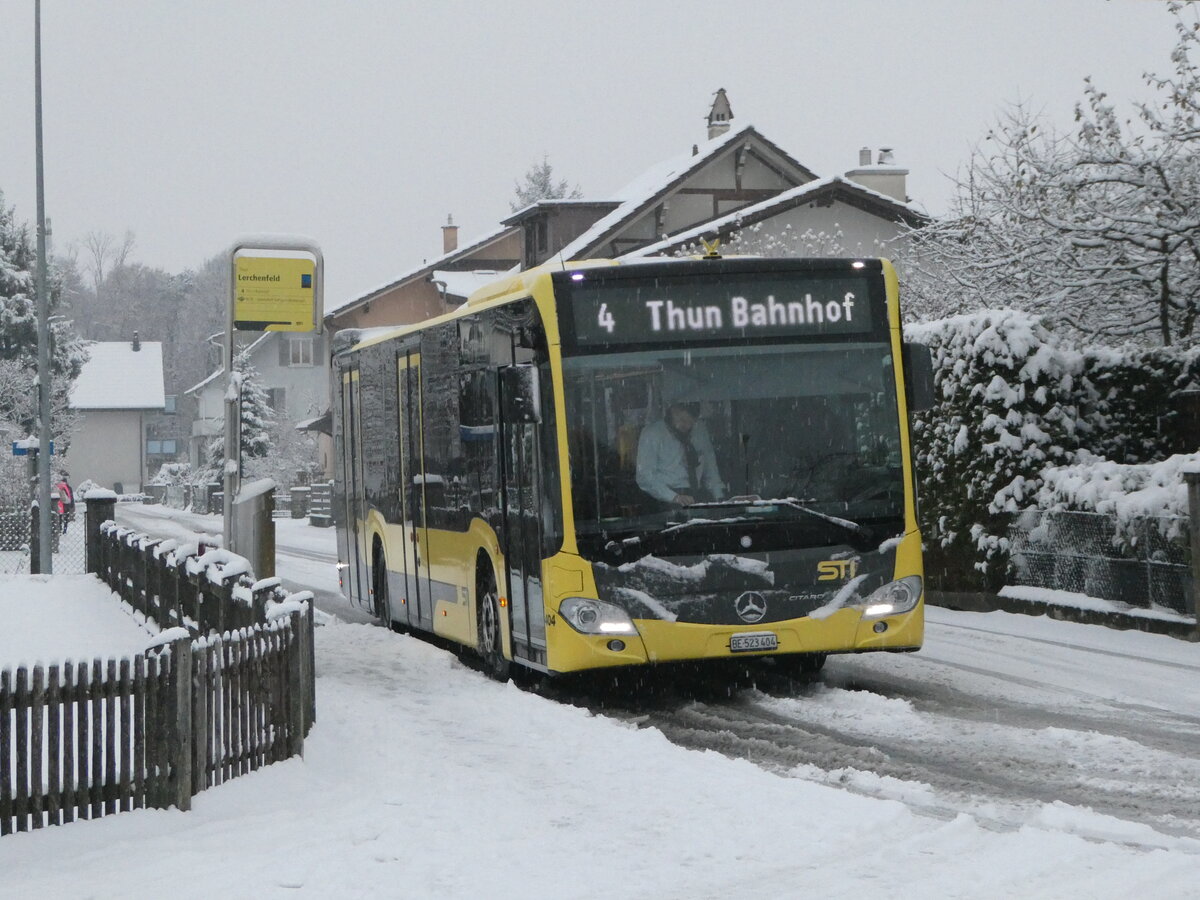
(520, 399)
(918, 377)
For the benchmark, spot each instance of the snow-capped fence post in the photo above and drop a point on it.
(296, 695)
(101, 507)
(1193, 487)
(35, 540)
(181, 746)
(187, 598)
(152, 582)
(6, 793)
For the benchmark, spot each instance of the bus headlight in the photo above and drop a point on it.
(595, 616)
(893, 598)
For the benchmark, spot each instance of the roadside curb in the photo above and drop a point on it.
(978, 601)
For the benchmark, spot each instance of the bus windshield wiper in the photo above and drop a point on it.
(640, 543)
(848, 525)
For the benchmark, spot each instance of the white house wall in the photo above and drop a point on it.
(107, 448)
(862, 233)
(306, 391)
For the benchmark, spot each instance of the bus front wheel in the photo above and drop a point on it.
(383, 602)
(490, 640)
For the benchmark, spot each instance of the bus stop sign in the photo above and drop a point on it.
(275, 294)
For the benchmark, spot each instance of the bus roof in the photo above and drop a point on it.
(517, 284)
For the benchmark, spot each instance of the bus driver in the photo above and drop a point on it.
(676, 463)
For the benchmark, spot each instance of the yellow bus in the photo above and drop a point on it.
(602, 463)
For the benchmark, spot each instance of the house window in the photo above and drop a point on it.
(300, 351)
(277, 398)
(161, 447)
(169, 405)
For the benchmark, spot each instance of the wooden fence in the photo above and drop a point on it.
(203, 589)
(82, 740)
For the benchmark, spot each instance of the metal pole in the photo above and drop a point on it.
(44, 378)
(233, 421)
(1193, 487)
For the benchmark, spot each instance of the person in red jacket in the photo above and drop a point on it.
(66, 502)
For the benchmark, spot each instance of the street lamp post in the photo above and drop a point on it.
(43, 307)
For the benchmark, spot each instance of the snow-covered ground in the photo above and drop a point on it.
(422, 778)
(52, 618)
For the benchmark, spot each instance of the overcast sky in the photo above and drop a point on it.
(362, 125)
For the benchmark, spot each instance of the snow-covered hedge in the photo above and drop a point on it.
(1006, 409)
(1130, 399)
(1024, 421)
(1130, 494)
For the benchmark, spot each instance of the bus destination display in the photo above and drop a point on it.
(697, 310)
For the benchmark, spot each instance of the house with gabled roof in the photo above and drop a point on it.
(292, 370)
(738, 186)
(736, 180)
(424, 291)
(841, 212)
(118, 387)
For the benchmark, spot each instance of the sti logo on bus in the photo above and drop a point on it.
(836, 569)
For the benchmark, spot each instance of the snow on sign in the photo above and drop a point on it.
(27, 446)
(274, 294)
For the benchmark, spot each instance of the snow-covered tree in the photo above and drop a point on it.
(539, 184)
(1097, 232)
(257, 420)
(18, 335)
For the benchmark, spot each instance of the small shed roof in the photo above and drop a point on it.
(118, 377)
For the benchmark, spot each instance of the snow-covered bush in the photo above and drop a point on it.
(1133, 495)
(173, 474)
(1131, 399)
(1007, 407)
(1023, 421)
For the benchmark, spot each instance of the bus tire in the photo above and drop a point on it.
(379, 587)
(490, 634)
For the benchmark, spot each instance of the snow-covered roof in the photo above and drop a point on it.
(424, 268)
(118, 377)
(266, 336)
(766, 208)
(464, 284)
(658, 179)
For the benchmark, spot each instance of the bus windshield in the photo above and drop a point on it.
(793, 444)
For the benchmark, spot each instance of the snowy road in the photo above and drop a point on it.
(997, 716)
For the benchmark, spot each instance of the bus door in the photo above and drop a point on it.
(355, 496)
(520, 419)
(412, 479)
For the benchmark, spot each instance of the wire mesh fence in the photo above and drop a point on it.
(67, 542)
(1144, 562)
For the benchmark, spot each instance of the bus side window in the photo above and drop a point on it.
(477, 433)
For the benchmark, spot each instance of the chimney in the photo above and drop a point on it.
(449, 235)
(884, 177)
(719, 115)
(137, 343)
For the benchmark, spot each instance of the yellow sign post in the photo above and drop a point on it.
(274, 294)
(280, 291)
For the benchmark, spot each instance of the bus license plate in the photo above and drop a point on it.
(754, 640)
